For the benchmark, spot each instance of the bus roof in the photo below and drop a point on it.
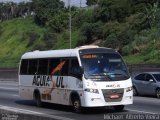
(60, 53)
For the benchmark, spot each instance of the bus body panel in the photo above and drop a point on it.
(60, 94)
(97, 99)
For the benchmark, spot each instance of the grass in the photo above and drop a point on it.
(20, 35)
(63, 41)
(134, 59)
(13, 42)
(151, 57)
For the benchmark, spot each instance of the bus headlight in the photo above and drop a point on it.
(129, 89)
(91, 90)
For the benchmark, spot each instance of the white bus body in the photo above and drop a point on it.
(68, 77)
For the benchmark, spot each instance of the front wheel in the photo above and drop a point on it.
(158, 93)
(76, 105)
(119, 107)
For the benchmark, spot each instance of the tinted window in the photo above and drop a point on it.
(24, 67)
(43, 67)
(75, 69)
(157, 76)
(53, 63)
(32, 67)
(149, 77)
(140, 77)
(65, 67)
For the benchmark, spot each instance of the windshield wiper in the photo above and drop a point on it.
(98, 74)
(118, 74)
(102, 74)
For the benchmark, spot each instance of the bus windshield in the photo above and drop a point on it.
(104, 66)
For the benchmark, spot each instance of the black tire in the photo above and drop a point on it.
(158, 93)
(135, 93)
(76, 104)
(37, 99)
(119, 107)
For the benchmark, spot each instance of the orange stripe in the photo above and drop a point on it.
(58, 68)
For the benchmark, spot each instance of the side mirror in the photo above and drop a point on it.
(81, 70)
(80, 73)
(130, 70)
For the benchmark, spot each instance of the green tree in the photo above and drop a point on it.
(91, 32)
(10, 10)
(141, 5)
(45, 9)
(91, 2)
(151, 14)
(112, 41)
(112, 10)
(82, 16)
(58, 22)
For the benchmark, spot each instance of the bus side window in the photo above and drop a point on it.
(75, 70)
(24, 67)
(53, 63)
(43, 67)
(64, 71)
(33, 66)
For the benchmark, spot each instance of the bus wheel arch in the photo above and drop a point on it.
(37, 97)
(135, 92)
(75, 102)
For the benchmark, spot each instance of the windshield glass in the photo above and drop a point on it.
(157, 77)
(104, 66)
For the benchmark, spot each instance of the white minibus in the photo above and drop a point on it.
(87, 76)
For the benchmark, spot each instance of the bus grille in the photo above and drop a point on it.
(113, 95)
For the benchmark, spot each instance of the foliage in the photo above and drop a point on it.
(151, 14)
(59, 22)
(112, 41)
(91, 32)
(112, 10)
(117, 35)
(12, 10)
(31, 36)
(19, 36)
(49, 39)
(82, 16)
(44, 9)
(91, 2)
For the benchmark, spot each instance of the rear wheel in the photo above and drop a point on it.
(158, 93)
(37, 99)
(119, 107)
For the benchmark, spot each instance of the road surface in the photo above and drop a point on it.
(10, 100)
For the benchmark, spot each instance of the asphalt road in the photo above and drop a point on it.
(143, 106)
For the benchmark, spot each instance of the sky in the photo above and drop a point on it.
(73, 2)
(76, 3)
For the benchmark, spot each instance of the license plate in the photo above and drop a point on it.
(114, 96)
